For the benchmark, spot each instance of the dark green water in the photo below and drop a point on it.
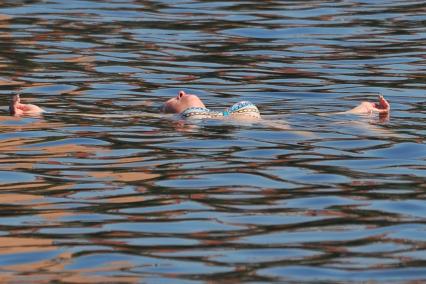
(150, 199)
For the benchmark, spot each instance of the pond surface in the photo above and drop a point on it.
(135, 197)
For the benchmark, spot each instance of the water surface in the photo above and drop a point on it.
(148, 199)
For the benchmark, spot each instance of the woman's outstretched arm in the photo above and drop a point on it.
(16, 108)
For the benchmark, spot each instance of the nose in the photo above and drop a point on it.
(181, 94)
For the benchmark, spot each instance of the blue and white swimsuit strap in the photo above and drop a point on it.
(199, 112)
(244, 108)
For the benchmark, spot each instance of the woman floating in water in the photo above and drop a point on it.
(191, 106)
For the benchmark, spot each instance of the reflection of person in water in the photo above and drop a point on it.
(191, 106)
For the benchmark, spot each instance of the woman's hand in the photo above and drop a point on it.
(381, 107)
(17, 109)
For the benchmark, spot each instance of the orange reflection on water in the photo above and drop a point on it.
(14, 198)
(123, 176)
(55, 269)
(9, 245)
(123, 199)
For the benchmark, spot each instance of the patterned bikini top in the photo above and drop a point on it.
(241, 108)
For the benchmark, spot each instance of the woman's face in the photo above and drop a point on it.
(181, 102)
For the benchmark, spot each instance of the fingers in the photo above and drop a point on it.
(384, 103)
(382, 107)
(381, 111)
(15, 99)
(13, 103)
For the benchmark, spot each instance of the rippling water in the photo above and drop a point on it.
(147, 199)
